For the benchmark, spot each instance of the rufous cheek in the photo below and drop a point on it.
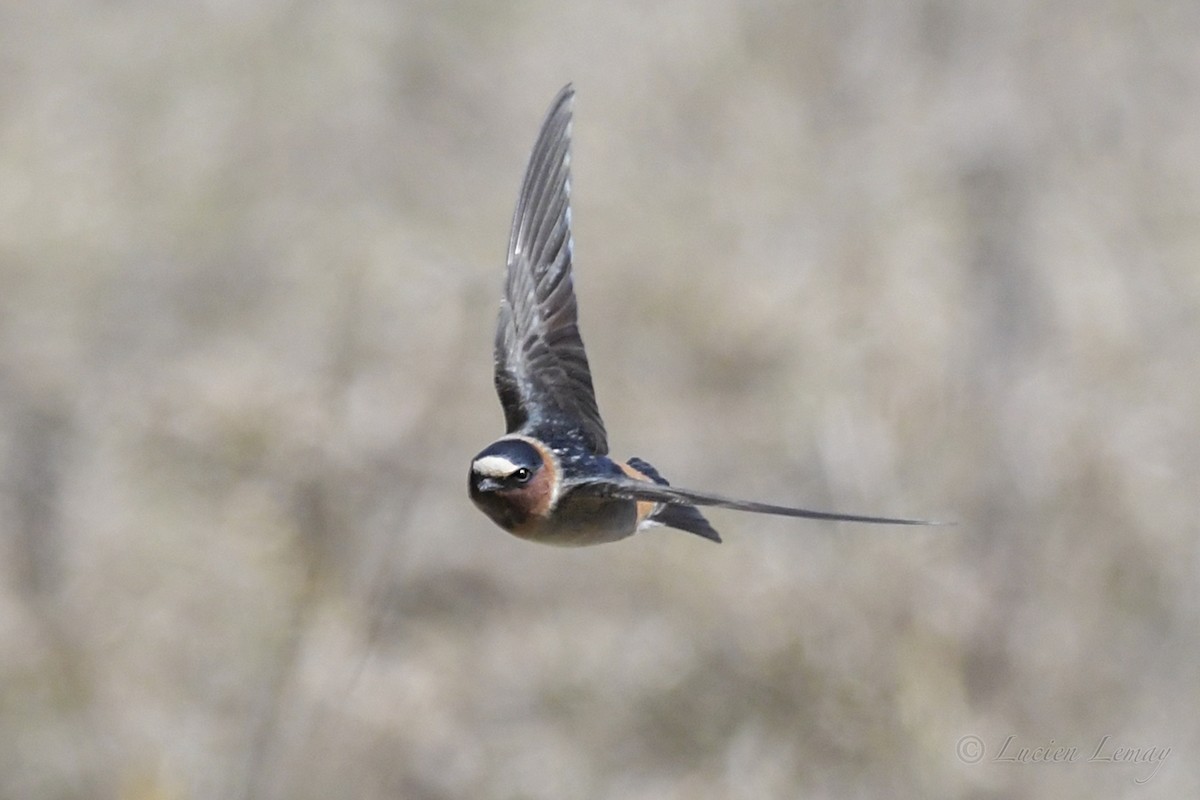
(535, 499)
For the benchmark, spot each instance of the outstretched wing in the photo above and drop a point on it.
(541, 368)
(633, 489)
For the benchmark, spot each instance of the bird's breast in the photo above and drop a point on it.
(580, 520)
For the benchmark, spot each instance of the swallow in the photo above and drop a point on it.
(549, 478)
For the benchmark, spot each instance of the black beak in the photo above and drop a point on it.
(487, 485)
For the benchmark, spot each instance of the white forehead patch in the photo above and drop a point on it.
(494, 467)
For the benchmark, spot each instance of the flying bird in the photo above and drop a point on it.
(549, 478)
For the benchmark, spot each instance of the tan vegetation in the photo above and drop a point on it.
(908, 259)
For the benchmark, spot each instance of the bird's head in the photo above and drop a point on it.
(513, 482)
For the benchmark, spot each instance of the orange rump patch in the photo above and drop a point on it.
(644, 507)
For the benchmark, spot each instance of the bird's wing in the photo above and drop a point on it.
(541, 368)
(633, 489)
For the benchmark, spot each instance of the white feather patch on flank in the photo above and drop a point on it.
(494, 467)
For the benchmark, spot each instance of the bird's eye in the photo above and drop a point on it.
(522, 475)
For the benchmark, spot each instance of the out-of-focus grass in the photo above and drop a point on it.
(923, 259)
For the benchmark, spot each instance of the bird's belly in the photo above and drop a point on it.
(582, 521)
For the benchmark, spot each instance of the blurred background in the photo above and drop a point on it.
(932, 259)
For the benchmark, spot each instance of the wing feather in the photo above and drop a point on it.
(632, 489)
(542, 373)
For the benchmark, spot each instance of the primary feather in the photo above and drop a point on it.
(542, 374)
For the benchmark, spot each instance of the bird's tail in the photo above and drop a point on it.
(681, 517)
